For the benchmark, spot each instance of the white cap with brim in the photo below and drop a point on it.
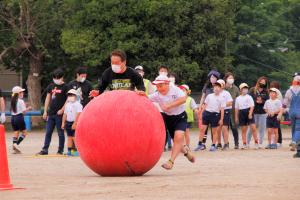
(221, 82)
(161, 79)
(72, 91)
(274, 90)
(243, 85)
(17, 89)
(139, 67)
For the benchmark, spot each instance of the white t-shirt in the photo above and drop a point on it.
(244, 102)
(173, 94)
(227, 97)
(214, 103)
(72, 109)
(193, 104)
(273, 105)
(20, 108)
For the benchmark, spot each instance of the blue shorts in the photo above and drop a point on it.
(273, 122)
(70, 131)
(244, 119)
(211, 118)
(227, 115)
(18, 123)
(175, 123)
(189, 125)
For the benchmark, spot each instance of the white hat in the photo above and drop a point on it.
(221, 82)
(243, 85)
(72, 91)
(161, 79)
(185, 87)
(17, 89)
(139, 67)
(274, 90)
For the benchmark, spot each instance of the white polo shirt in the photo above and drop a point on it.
(214, 103)
(227, 98)
(173, 94)
(72, 109)
(273, 105)
(244, 102)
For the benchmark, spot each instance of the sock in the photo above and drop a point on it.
(21, 138)
(15, 140)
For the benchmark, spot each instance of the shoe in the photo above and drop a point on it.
(200, 147)
(188, 154)
(212, 148)
(256, 146)
(244, 147)
(69, 153)
(236, 147)
(293, 147)
(16, 149)
(296, 155)
(60, 153)
(219, 146)
(75, 153)
(268, 146)
(225, 147)
(42, 153)
(274, 146)
(168, 165)
(279, 145)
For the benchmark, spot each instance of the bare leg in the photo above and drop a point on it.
(187, 137)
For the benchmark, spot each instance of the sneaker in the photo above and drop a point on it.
(236, 147)
(200, 147)
(42, 153)
(293, 147)
(279, 145)
(75, 153)
(16, 149)
(219, 146)
(69, 153)
(256, 146)
(60, 153)
(225, 147)
(274, 146)
(296, 155)
(213, 148)
(268, 146)
(244, 147)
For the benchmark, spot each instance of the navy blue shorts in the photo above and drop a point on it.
(273, 122)
(244, 119)
(18, 123)
(70, 131)
(227, 115)
(189, 125)
(175, 123)
(211, 118)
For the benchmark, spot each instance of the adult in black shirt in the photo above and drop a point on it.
(2, 108)
(53, 111)
(83, 86)
(260, 94)
(119, 76)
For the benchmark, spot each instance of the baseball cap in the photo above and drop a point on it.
(274, 90)
(139, 67)
(161, 79)
(221, 82)
(184, 86)
(17, 89)
(73, 91)
(243, 85)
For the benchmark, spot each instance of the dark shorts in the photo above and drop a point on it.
(227, 115)
(189, 125)
(18, 123)
(175, 123)
(211, 118)
(272, 122)
(70, 131)
(244, 119)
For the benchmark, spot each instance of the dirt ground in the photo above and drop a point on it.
(234, 174)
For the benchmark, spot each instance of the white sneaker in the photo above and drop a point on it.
(260, 146)
(16, 149)
(257, 146)
(279, 145)
(244, 146)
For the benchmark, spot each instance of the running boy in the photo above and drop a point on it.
(244, 106)
(213, 115)
(171, 100)
(71, 115)
(273, 108)
(18, 108)
(190, 108)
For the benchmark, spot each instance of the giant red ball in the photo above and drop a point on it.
(120, 133)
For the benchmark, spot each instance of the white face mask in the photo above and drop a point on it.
(57, 81)
(116, 68)
(71, 99)
(82, 79)
(172, 80)
(230, 81)
(213, 79)
(163, 73)
(142, 74)
(245, 91)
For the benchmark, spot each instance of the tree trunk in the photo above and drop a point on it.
(34, 81)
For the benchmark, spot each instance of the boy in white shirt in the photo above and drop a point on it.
(273, 108)
(244, 106)
(71, 115)
(172, 101)
(213, 115)
(227, 113)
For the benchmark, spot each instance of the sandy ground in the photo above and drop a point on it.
(234, 174)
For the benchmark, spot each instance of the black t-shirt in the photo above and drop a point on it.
(129, 80)
(207, 89)
(83, 89)
(58, 97)
(263, 95)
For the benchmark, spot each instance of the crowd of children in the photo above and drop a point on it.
(223, 106)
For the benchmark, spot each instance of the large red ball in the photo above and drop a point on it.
(120, 133)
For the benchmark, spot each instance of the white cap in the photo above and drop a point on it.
(73, 91)
(185, 87)
(17, 89)
(221, 82)
(161, 79)
(243, 85)
(275, 90)
(139, 67)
